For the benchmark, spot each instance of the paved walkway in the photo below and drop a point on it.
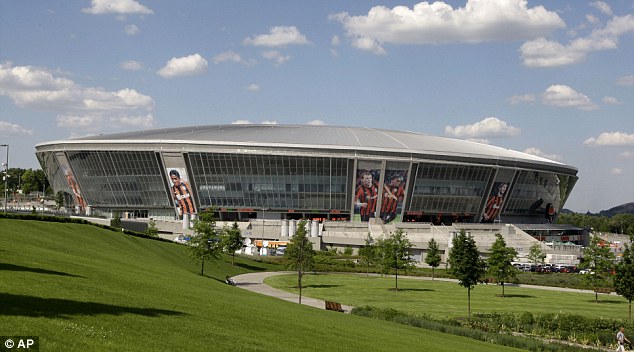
(255, 282)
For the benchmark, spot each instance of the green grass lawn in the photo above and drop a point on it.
(447, 299)
(82, 288)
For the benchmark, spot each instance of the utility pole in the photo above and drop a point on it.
(6, 177)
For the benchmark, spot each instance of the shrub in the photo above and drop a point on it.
(459, 328)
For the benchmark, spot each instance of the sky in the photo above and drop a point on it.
(549, 78)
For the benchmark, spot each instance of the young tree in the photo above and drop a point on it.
(433, 256)
(232, 240)
(466, 264)
(535, 253)
(299, 254)
(59, 199)
(206, 242)
(151, 229)
(624, 276)
(116, 220)
(500, 261)
(395, 253)
(368, 253)
(599, 260)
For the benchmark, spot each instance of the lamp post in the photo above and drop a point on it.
(6, 177)
(262, 243)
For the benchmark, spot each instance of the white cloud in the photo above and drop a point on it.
(131, 65)
(479, 140)
(131, 29)
(76, 106)
(538, 152)
(546, 53)
(316, 123)
(278, 36)
(524, 98)
(616, 171)
(8, 129)
(610, 101)
(75, 121)
(602, 6)
(439, 22)
(247, 122)
(276, 57)
(611, 139)
(231, 56)
(626, 81)
(98, 121)
(563, 96)
(252, 87)
(184, 66)
(627, 154)
(368, 44)
(488, 127)
(121, 7)
(591, 19)
(335, 41)
(134, 121)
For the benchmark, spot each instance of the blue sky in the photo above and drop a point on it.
(550, 78)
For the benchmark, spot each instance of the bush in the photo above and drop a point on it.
(463, 328)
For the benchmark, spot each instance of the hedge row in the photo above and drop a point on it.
(590, 331)
(466, 328)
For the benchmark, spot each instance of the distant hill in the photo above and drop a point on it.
(627, 208)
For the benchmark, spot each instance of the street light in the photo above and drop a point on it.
(262, 243)
(6, 178)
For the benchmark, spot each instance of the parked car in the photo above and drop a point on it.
(182, 239)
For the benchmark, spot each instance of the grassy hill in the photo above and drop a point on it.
(82, 288)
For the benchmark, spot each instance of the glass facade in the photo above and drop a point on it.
(55, 176)
(270, 181)
(444, 188)
(532, 192)
(120, 178)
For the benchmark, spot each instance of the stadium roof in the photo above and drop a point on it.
(323, 137)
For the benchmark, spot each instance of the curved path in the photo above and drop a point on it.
(255, 282)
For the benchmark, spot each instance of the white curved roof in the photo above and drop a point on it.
(322, 137)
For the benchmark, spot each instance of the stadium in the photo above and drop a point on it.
(350, 181)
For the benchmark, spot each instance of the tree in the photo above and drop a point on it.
(232, 240)
(500, 261)
(599, 260)
(536, 254)
(299, 254)
(466, 264)
(151, 229)
(206, 242)
(29, 182)
(116, 219)
(59, 199)
(624, 276)
(433, 256)
(368, 253)
(394, 252)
